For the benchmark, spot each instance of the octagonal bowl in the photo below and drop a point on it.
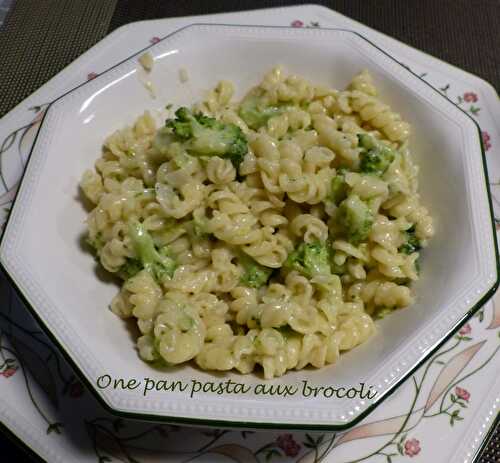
(42, 254)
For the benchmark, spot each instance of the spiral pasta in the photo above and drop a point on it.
(265, 234)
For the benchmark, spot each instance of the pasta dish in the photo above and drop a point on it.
(266, 233)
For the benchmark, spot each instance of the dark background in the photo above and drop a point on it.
(41, 37)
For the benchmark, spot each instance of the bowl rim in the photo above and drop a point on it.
(221, 423)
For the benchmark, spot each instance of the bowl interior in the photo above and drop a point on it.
(69, 287)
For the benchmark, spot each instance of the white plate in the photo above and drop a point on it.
(58, 279)
(28, 406)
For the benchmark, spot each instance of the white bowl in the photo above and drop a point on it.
(41, 248)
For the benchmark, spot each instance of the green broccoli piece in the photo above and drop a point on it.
(338, 188)
(255, 275)
(157, 262)
(366, 141)
(255, 114)
(412, 243)
(375, 158)
(130, 268)
(356, 218)
(206, 136)
(309, 259)
(182, 125)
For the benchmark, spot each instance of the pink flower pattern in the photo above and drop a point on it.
(470, 97)
(287, 443)
(7, 373)
(465, 330)
(463, 394)
(412, 447)
(486, 140)
(297, 23)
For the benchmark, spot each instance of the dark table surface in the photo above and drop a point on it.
(465, 33)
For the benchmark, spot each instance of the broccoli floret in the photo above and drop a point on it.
(157, 262)
(255, 114)
(366, 141)
(338, 188)
(375, 158)
(356, 218)
(130, 268)
(182, 125)
(309, 259)
(206, 136)
(412, 243)
(255, 274)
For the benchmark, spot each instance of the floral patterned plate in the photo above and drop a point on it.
(441, 414)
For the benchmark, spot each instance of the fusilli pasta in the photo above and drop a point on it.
(268, 232)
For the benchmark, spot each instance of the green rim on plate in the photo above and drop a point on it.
(263, 425)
